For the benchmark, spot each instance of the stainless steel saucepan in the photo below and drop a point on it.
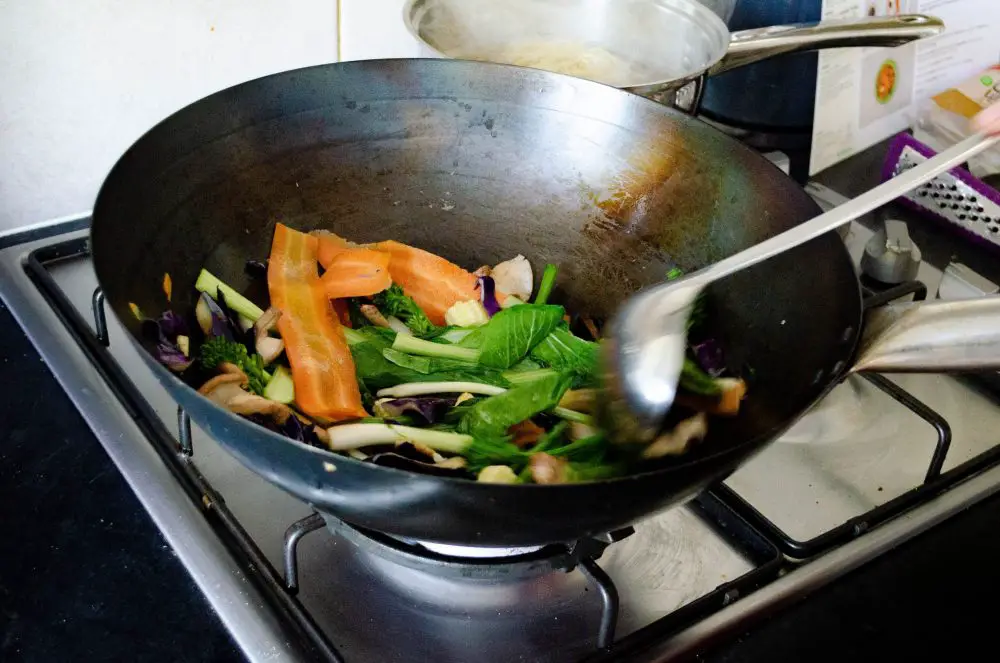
(650, 47)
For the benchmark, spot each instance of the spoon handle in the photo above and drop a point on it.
(838, 216)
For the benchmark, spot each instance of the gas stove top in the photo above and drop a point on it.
(878, 461)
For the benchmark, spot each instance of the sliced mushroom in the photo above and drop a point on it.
(453, 463)
(268, 348)
(374, 316)
(677, 441)
(421, 448)
(578, 431)
(322, 435)
(581, 400)
(226, 389)
(526, 433)
(546, 469)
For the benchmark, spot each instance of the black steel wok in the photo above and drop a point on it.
(480, 162)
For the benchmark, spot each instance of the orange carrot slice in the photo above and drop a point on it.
(434, 283)
(356, 273)
(322, 367)
(329, 245)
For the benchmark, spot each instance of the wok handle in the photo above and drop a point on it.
(931, 337)
(749, 46)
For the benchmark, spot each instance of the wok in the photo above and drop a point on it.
(479, 162)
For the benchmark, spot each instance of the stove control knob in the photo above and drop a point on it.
(890, 255)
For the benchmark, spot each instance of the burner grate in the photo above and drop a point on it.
(933, 484)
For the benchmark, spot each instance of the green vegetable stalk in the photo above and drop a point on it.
(210, 284)
(545, 287)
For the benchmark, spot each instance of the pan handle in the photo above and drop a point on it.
(931, 337)
(749, 46)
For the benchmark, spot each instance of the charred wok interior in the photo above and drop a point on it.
(479, 163)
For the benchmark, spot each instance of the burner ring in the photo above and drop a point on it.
(430, 557)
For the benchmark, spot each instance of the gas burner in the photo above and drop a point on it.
(472, 552)
(474, 562)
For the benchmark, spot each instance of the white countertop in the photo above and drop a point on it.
(80, 81)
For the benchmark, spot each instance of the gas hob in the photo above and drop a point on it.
(878, 461)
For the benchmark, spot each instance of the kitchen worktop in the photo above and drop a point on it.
(85, 575)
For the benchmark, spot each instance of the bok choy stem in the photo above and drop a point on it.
(416, 346)
(548, 280)
(210, 284)
(355, 436)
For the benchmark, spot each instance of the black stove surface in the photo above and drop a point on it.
(85, 575)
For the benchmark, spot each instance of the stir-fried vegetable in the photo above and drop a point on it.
(434, 283)
(493, 416)
(322, 367)
(426, 366)
(395, 302)
(219, 350)
(356, 273)
(513, 332)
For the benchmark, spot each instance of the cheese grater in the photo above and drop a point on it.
(956, 198)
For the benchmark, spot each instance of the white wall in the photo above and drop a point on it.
(80, 80)
(372, 29)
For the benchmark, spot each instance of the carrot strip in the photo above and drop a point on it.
(356, 273)
(329, 245)
(434, 283)
(322, 368)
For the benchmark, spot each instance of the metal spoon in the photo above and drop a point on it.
(645, 349)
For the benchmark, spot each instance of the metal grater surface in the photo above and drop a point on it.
(956, 198)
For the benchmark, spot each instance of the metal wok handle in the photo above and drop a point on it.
(931, 337)
(749, 46)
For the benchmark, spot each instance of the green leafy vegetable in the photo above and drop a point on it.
(393, 301)
(376, 372)
(591, 449)
(492, 417)
(566, 352)
(513, 332)
(403, 360)
(697, 381)
(217, 350)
